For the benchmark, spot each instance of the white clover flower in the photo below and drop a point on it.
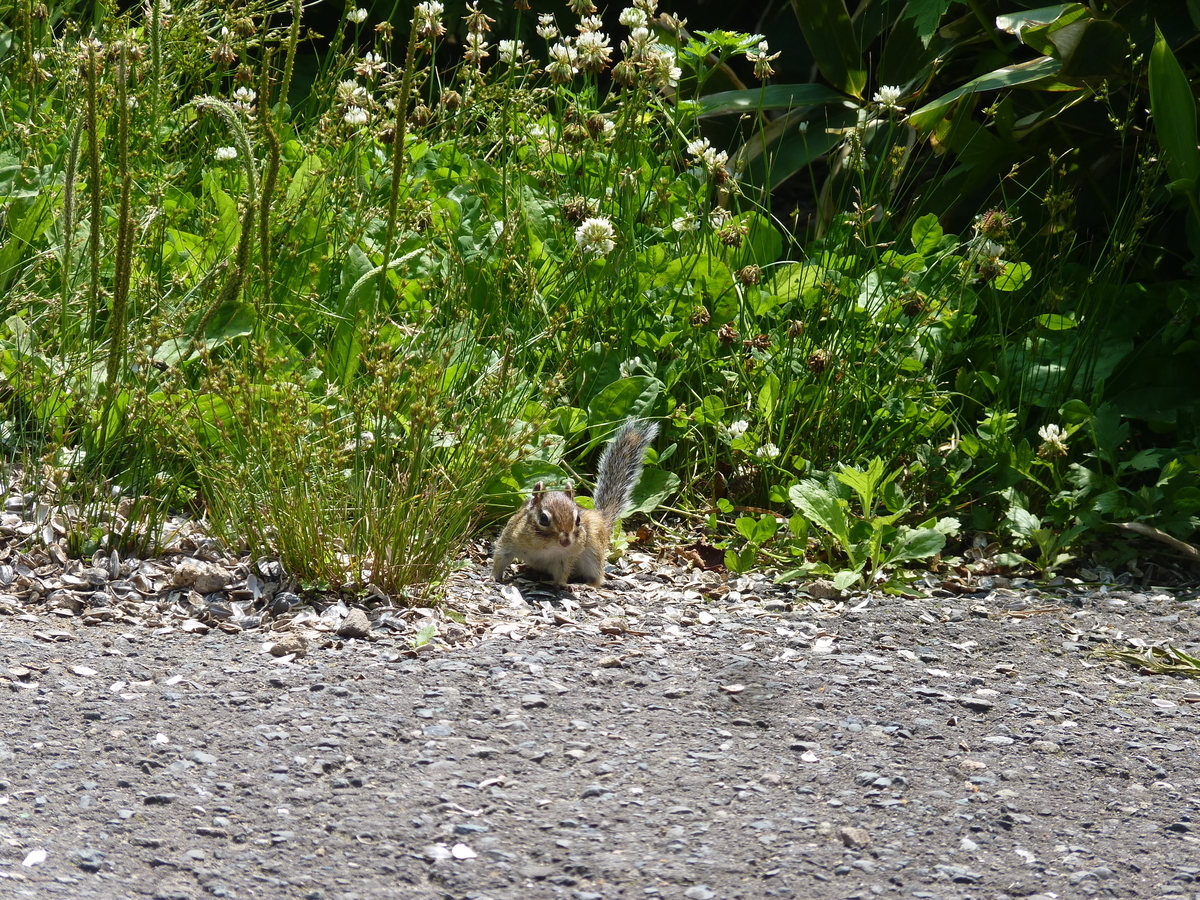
(427, 19)
(596, 237)
(370, 65)
(738, 428)
(768, 451)
(357, 16)
(888, 97)
(224, 154)
(593, 50)
(762, 59)
(351, 93)
(477, 48)
(649, 7)
(244, 95)
(632, 17)
(661, 68)
(511, 52)
(1054, 442)
(608, 130)
(589, 23)
(356, 116)
(581, 7)
(563, 59)
(989, 248)
(546, 28)
(712, 159)
(686, 223)
(719, 217)
(802, 128)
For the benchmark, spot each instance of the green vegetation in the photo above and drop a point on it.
(350, 321)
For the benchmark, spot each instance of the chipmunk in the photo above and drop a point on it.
(553, 533)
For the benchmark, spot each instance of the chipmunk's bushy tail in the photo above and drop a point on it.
(621, 467)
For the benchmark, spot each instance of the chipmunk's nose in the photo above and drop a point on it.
(565, 540)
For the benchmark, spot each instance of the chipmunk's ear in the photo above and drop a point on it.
(569, 490)
(539, 490)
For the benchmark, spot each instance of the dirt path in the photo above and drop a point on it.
(945, 748)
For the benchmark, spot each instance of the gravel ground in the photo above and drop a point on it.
(949, 747)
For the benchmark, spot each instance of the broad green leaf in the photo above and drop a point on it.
(631, 396)
(830, 36)
(23, 232)
(768, 396)
(1187, 500)
(710, 411)
(1009, 76)
(764, 529)
(305, 178)
(1037, 28)
(1013, 277)
(1055, 322)
(746, 526)
(652, 489)
(772, 96)
(845, 579)
(1174, 110)
(926, 234)
(568, 420)
(916, 543)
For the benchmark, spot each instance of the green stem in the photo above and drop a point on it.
(398, 152)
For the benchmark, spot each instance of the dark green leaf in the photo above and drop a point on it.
(1010, 76)
(654, 487)
(830, 37)
(772, 96)
(926, 234)
(1174, 109)
(926, 14)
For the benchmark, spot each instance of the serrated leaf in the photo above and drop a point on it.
(821, 508)
(1023, 522)
(926, 14)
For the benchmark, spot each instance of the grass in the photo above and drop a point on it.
(349, 331)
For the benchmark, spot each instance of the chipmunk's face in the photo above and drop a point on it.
(555, 516)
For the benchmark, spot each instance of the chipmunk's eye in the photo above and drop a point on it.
(544, 520)
(578, 520)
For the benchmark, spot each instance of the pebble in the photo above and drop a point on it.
(356, 625)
